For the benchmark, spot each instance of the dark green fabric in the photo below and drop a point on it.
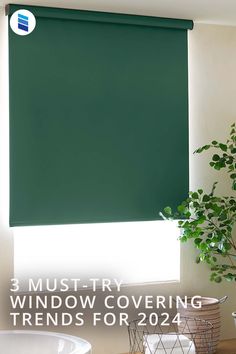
(98, 119)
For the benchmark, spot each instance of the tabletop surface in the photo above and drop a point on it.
(225, 347)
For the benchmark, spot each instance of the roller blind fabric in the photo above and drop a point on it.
(98, 117)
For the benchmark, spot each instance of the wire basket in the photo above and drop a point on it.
(190, 335)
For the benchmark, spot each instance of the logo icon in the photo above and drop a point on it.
(22, 22)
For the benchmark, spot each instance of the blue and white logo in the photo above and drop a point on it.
(22, 22)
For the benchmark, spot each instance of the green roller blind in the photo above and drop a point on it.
(98, 117)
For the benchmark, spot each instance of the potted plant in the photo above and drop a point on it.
(208, 220)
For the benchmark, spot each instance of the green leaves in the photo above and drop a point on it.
(223, 271)
(208, 220)
(168, 211)
(182, 209)
(216, 157)
(195, 195)
(205, 198)
(226, 156)
(223, 147)
(197, 241)
(201, 149)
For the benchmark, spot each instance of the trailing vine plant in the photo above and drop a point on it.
(208, 219)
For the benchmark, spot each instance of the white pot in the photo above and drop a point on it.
(234, 317)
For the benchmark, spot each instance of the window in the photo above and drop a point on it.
(94, 137)
(135, 252)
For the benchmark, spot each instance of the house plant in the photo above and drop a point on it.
(208, 219)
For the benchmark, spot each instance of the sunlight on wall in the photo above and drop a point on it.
(134, 252)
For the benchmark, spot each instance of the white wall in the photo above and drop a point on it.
(212, 95)
(212, 108)
(212, 86)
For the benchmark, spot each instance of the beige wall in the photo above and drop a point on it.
(212, 77)
(212, 68)
(212, 58)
